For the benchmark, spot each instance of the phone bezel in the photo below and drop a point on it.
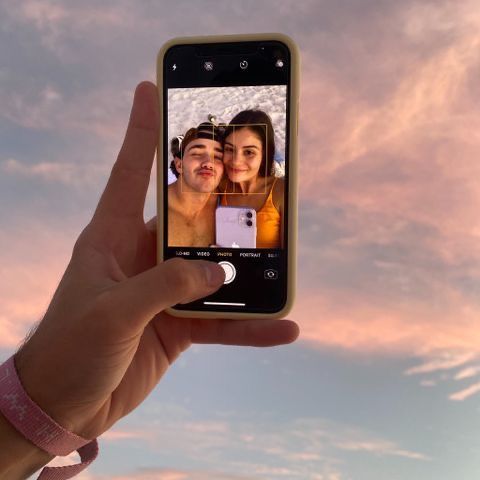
(291, 225)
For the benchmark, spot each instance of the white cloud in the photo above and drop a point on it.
(295, 447)
(445, 364)
(445, 361)
(465, 393)
(381, 448)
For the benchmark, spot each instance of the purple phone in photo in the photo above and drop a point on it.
(235, 227)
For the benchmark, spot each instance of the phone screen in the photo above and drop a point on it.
(226, 168)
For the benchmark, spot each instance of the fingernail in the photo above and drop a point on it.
(215, 274)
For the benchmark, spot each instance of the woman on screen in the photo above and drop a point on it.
(249, 148)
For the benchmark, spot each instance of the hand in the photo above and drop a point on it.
(104, 342)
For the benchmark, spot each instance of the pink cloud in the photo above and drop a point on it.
(448, 340)
(357, 323)
(467, 372)
(390, 160)
(410, 156)
(29, 274)
(400, 166)
(426, 109)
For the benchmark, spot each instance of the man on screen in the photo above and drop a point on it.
(192, 198)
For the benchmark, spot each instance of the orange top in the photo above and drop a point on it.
(268, 222)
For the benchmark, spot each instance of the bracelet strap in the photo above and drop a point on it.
(88, 453)
(39, 428)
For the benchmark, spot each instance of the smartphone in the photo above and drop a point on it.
(227, 149)
(235, 227)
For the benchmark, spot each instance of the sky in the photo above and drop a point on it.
(384, 380)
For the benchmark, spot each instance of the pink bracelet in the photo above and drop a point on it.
(39, 428)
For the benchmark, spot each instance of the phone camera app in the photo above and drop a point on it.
(270, 274)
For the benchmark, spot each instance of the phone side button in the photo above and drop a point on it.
(230, 272)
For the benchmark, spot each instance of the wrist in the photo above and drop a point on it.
(40, 381)
(32, 437)
(19, 457)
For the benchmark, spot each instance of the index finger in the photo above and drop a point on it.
(124, 195)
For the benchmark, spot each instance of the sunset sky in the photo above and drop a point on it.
(384, 381)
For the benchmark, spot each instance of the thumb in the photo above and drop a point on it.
(141, 297)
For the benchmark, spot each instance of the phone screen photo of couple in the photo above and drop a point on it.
(226, 166)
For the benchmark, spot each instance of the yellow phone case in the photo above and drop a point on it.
(291, 226)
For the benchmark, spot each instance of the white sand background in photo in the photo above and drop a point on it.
(188, 107)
